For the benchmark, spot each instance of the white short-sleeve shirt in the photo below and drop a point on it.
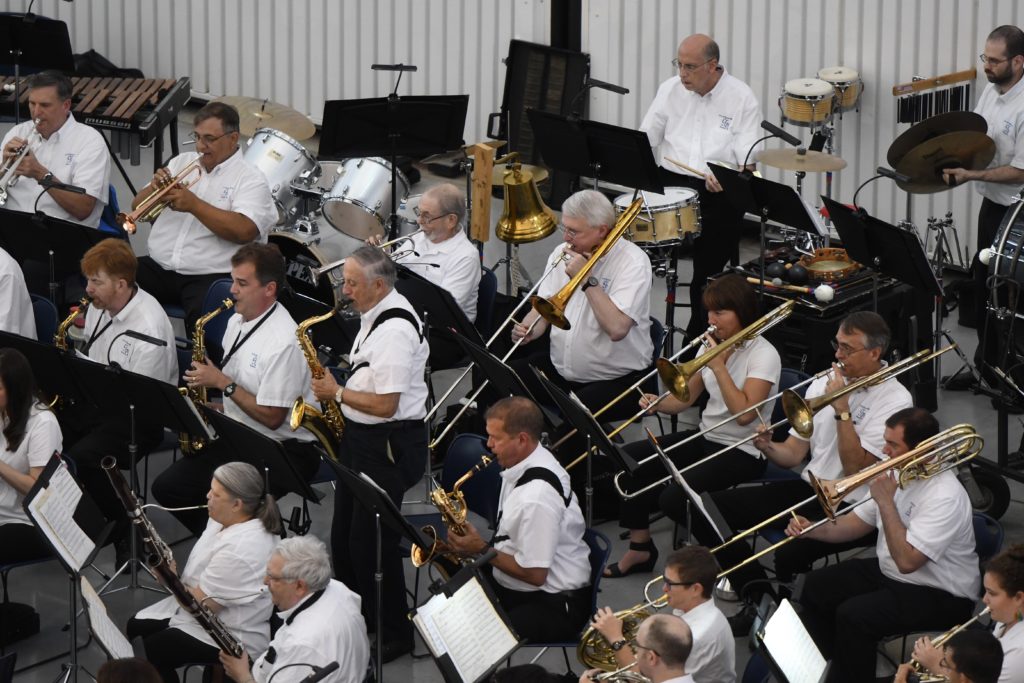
(713, 656)
(458, 266)
(16, 315)
(268, 364)
(940, 523)
(106, 341)
(1013, 653)
(76, 155)
(719, 126)
(869, 409)
(227, 564)
(391, 360)
(1005, 117)
(756, 359)
(542, 531)
(331, 629)
(585, 353)
(179, 242)
(42, 439)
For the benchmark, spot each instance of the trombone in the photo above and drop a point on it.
(150, 208)
(799, 412)
(677, 377)
(939, 641)
(317, 273)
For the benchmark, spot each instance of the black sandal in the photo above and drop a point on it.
(613, 571)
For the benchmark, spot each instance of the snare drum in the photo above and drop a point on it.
(309, 244)
(806, 101)
(829, 264)
(359, 201)
(665, 220)
(847, 85)
(282, 160)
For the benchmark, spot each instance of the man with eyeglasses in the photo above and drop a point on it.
(1002, 106)
(704, 114)
(227, 204)
(663, 646)
(689, 580)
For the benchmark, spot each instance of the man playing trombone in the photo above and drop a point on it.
(925, 576)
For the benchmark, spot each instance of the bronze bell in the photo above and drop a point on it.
(525, 218)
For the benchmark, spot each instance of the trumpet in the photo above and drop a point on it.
(8, 178)
(317, 273)
(941, 640)
(150, 208)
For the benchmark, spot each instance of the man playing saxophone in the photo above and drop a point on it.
(262, 372)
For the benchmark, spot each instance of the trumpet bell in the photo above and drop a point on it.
(525, 217)
(674, 378)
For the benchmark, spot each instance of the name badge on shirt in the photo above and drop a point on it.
(1008, 128)
(726, 123)
(858, 415)
(253, 358)
(69, 159)
(122, 353)
(225, 192)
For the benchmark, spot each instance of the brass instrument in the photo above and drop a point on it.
(452, 507)
(939, 641)
(60, 337)
(326, 424)
(595, 652)
(553, 309)
(623, 674)
(150, 208)
(188, 444)
(316, 273)
(8, 169)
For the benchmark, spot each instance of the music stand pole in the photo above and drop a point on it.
(589, 488)
(378, 583)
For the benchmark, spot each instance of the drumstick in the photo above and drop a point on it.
(791, 288)
(691, 169)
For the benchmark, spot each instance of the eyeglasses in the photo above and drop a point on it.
(644, 647)
(844, 349)
(688, 68)
(985, 59)
(673, 584)
(573, 234)
(206, 139)
(426, 217)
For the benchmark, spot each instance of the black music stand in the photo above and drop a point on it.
(388, 126)
(333, 336)
(47, 363)
(35, 42)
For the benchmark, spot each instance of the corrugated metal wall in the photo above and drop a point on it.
(768, 42)
(302, 52)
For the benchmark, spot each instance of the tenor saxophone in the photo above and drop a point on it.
(188, 444)
(326, 424)
(60, 337)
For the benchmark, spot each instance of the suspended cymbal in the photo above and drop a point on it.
(925, 162)
(951, 122)
(539, 173)
(801, 160)
(254, 113)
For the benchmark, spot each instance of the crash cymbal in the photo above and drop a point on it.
(254, 113)
(801, 160)
(539, 173)
(924, 163)
(933, 127)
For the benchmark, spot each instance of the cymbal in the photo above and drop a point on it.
(539, 173)
(801, 160)
(254, 113)
(935, 126)
(924, 163)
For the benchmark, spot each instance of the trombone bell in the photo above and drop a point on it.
(525, 218)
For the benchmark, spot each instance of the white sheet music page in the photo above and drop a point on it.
(109, 635)
(473, 632)
(53, 511)
(424, 621)
(791, 646)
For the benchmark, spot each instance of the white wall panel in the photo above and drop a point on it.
(767, 42)
(303, 52)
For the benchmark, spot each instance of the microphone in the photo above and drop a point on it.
(144, 337)
(321, 672)
(483, 559)
(610, 87)
(51, 184)
(894, 175)
(392, 67)
(779, 133)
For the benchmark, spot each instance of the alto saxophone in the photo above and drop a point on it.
(60, 337)
(452, 507)
(188, 444)
(326, 424)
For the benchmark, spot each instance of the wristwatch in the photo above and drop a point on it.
(46, 177)
(619, 644)
(591, 282)
(338, 395)
(843, 416)
(230, 389)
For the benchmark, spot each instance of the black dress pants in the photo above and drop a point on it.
(21, 543)
(542, 617)
(170, 648)
(171, 287)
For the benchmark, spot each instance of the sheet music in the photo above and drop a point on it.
(109, 635)
(791, 646)
(424, 620)
(474, 633)
(53, 512)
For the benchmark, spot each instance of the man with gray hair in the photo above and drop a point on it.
(320, 620)
(384, 403)
(608, 346)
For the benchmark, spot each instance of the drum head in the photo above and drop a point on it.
(673, 197)
(808, 87)
(359, 202)
(838, 74)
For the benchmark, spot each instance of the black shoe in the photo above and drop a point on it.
(612, 571)
(122, 551)
(395, 649)
(961, 381)
(742, 621)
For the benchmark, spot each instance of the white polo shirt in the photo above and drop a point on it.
(541, 530)
(331, 629)
(179, 242)
(1013, 652)
(1005, 117)
(713, 657)
(228, 565)
(719, 126)
(106, 341)
(869, 409)
(16, 315)
(940, 523)
(585, 353)
(42, 438)
(390, 361)
(268, 364)
(458, 268)
(76, 155)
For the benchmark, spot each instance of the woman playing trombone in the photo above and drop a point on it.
(735, 380)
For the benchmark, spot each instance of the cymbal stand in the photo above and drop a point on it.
(944, 256)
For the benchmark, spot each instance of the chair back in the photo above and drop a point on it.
(788, 379)
(756, 670)
(45, 314)
(214, 330)
(600, 552)
(658, 336)
(482, 489)
(7, 667)
(108, 219)
(988, 536)
(486, 292)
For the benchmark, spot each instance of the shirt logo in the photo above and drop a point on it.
(69, 159)
(726, 122)
(1007, 127)
(253, 358)
(225, 193)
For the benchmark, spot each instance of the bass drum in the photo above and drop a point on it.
(310, 244)
(1007, 253)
